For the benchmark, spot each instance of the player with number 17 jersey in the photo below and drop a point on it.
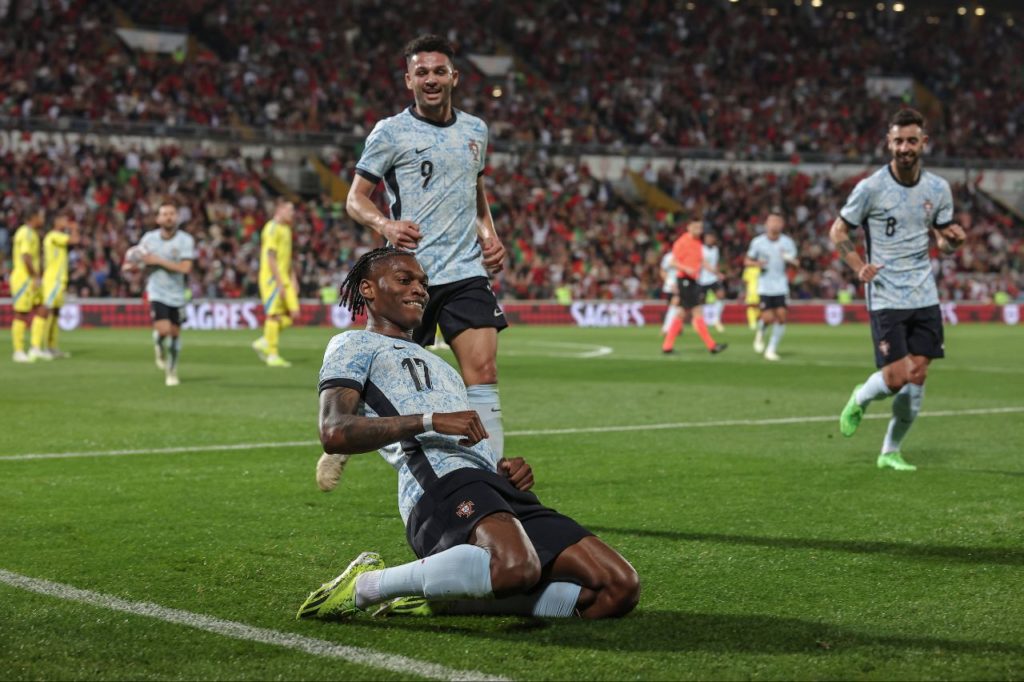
(398, 377)
(430, 172)
(897, 219)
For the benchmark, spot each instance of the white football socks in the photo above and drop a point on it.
(778, 330)
(484, 399)
(873, 389)
(549, 600)
(459, 572)
(670, 316)
(905, 407)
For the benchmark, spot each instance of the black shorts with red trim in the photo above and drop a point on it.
(452, 506)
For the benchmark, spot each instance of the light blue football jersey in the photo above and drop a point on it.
(397, 377)
(162, 285)
(773, 281)
(709, 266)
(430, 172)
(896, 219)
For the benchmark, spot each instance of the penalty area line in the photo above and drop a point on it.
(772, 421)
(235, 630)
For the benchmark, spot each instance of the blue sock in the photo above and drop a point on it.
(484, 399)
(462, 571)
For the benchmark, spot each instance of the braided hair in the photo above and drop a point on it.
(349, 296)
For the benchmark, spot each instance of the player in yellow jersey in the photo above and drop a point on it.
(55, 278)
(26, 288)
(278, 286)
(751, 274)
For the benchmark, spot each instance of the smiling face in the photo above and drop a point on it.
(906, 144)
(431, 76)
(396, 295)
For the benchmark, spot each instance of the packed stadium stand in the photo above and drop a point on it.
(710, 80)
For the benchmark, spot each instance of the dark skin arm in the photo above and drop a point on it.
(343, 432)
(517, 471)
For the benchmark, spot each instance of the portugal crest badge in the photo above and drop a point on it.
(465, 509)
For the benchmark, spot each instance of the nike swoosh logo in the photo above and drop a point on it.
(420, 151)
(495, 409)
(498, 312)
(397, 347)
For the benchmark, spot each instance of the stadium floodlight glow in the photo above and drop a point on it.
(690, 6)
(851, 15)
(880, 7)
(961, 10)
(979, 11)
(496, 91)
(815, 3)
(898, 7)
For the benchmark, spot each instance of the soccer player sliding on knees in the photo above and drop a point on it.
(485, 543)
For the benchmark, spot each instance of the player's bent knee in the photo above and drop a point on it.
(624, 592)
(514, 572)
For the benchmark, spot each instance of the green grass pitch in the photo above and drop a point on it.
(769, 547)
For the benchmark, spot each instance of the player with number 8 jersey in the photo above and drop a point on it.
(898, 206)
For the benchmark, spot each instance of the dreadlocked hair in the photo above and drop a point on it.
(349, 296)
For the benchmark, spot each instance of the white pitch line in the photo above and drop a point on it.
(752, 422)
(532, 432)
(160, 451)
(235, 630)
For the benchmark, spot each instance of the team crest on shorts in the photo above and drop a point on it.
(883, 347)
(465, 509)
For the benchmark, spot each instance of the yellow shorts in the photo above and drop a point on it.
(26, 296)
(274, 303)
(752, 300)
(54, 292)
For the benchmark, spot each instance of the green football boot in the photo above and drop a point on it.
(850, 418)
(336, 600)
(894, 460)
(406, 606)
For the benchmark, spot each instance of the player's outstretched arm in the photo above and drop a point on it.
(359, 205)
(343, 432)
(840, 236)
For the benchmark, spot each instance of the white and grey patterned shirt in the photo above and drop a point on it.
(397, 377)
(896, 219)
(773, 281)
(430, 171)
(163, 285)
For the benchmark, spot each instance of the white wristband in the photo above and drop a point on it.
(428, 422)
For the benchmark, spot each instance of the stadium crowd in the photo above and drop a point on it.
(715, 76)
(563, 227)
